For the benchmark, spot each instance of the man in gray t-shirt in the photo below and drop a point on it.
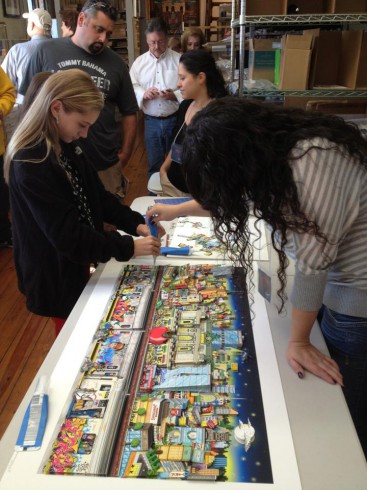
(109, 144)
(39, 24)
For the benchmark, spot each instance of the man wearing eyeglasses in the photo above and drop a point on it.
(110, 143)
(155, 75)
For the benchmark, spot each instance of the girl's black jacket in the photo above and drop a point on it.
(53, 248)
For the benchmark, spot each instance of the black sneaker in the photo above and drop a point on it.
(6, 243)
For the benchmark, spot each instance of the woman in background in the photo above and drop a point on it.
(174, 43)
(199, 81)
(69, 20)
(59, 204)
(192, 39)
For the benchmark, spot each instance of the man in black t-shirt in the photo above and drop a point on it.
(110, 143)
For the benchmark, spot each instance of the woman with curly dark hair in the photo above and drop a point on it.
(305, 175)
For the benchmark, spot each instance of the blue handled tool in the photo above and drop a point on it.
(34, 422)
(153, 228)
(176, 251)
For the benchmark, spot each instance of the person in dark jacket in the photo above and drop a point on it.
(58, 203)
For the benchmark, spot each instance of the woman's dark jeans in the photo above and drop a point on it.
(346, 338)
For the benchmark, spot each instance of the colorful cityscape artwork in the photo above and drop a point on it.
(170, 388)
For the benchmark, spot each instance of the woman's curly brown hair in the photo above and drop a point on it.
(236, 161)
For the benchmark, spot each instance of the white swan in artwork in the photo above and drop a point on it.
(244, 434)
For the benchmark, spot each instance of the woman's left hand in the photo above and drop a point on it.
(302, 355)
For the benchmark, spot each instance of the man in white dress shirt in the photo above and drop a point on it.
(154, 75)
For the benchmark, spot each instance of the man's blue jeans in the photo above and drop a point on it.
(346, 338)
(158, 140)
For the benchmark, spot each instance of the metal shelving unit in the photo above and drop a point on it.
(250, 21)
(307, 93)
(266, 20)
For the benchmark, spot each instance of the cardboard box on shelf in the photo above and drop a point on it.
(326, 57)
(266, 7)
(303, 102)
(346, 6)
(343, 106)
(293, 64)
(262, 59)
(361, 81)
(340, 60)
(352, 68)
(306, 7)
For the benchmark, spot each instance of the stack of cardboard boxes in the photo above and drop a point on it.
(261, 59)
(293, 61)
(314, 59)
(340, 60)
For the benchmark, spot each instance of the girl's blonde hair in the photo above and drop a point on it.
(77, 92)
